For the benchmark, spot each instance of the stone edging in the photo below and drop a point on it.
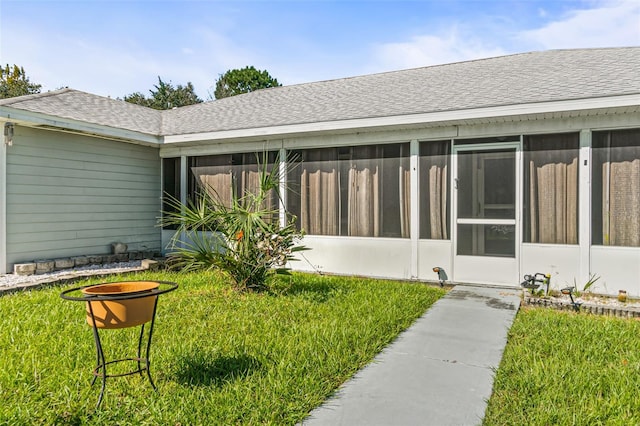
(73, 275)
(610, 311)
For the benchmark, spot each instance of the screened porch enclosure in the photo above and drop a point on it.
(515, 206)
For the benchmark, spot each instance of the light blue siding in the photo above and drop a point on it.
(70, 195)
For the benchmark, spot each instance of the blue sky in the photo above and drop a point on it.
(114, 48)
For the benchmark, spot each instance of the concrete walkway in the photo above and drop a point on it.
(438, 372)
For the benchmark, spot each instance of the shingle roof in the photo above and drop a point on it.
(89, 108)
(507, 80)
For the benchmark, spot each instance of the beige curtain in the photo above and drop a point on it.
(621, 202)
(434, 189)
(217, 181)
(320, 198)
(404, 190)
(554, 202)
(438, 192)
(364, 199)
(553, 189)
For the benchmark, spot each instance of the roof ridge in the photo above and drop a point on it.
(509, 55)
(16, 99)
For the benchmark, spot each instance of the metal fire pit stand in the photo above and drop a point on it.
(101, 363)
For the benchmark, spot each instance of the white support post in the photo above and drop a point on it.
(414, 152)
(283, 187)
(184, 185)
(584, 206)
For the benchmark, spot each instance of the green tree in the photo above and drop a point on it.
(165, 96)
(245, 80)
(14, 82)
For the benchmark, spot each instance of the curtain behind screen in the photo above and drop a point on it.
(552, 203)
(320, 193)
(618, 157)
(434, 189)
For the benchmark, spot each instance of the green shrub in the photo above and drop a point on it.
(242, 237)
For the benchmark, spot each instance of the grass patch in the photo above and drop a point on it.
(562, 368)
(218, 356)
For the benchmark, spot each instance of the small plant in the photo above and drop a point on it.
(243, 238)
(593, 278)
(590, 283)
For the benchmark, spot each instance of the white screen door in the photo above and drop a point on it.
(486, 211)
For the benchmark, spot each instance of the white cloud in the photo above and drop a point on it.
(609, 24)
(427, 50)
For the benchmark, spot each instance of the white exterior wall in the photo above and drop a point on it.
(561, 261)
(618, 269)
(432, 253)
(70, 195)
(371, 257)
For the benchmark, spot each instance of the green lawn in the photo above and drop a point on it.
(218, 357)
(562, 368)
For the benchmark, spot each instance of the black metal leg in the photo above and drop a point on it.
(101, 364)
(140, 349)
(99, 359)
(148, 364)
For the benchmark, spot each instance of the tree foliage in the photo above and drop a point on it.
(165, 96)
(245, 80)
(14, 82)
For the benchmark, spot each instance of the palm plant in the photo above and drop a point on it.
(243, 237)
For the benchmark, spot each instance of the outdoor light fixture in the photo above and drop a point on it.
(8, 133)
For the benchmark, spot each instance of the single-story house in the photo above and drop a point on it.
(490, 169)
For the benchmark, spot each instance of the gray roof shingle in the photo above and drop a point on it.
(89, 108)
(507, 80)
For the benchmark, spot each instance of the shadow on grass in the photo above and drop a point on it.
(200, 370)
(314, 289)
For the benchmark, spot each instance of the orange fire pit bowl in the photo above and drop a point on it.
(131, 310)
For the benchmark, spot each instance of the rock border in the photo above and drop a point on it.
(45, 266)
(596, 309)
(75, 275)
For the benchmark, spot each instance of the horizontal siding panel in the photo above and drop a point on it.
(59, 190)
(39, 172)
(62, 145)
(107, 175)
(62, 237)
(78, 199)
(31, 156)
(46, 226)
(79, 218)
(62, 209)
(81, 245)
(73, 195)
(115, 181)
(70, 164)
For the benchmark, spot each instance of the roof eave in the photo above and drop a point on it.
(440, 118)
(45, 121)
